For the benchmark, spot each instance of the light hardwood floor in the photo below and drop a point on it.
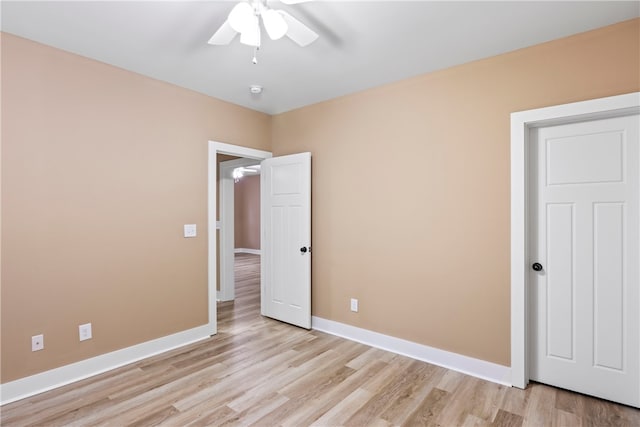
(261, 372)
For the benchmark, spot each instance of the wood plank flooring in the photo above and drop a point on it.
(260, 372)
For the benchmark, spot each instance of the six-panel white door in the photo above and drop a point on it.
(585, 234)
(285, 188)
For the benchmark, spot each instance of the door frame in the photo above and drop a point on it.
(212, 204)
(521, 124)
(227, 226)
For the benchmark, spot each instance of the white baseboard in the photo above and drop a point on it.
(58, 377)
(247, 251)
(467, 365)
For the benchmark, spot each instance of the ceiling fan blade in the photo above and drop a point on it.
(297, 31)
(274, 24)
(224, 35)
(294, 1)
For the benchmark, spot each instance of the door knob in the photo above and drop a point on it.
(303, 249)
(537, 266)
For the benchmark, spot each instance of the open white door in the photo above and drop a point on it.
(285, 187)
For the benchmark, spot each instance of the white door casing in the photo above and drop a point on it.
(285, 187)
(521, 125)
(584, 230)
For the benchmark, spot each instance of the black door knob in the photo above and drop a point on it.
(303, 249)
(537, 266)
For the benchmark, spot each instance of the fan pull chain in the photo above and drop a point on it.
(255, 54)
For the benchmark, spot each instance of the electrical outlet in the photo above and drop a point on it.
(37, 342)
(190, 230)
(84, 332)
(354, 305)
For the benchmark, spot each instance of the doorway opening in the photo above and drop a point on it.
(214, 224)
(239, 208)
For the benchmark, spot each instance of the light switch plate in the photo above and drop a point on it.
(190, 230)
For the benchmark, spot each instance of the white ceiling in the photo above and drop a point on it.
(362, 44)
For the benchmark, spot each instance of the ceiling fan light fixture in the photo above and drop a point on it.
(241, 17)
(245, 18)
(274, 24)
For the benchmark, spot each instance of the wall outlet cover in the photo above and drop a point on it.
(84, 332)
(37, 342)
(190, 230)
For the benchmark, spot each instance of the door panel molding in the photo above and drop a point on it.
(522, 123)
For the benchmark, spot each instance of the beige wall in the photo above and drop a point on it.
(247, 212)
(101, 167)
(411, 187)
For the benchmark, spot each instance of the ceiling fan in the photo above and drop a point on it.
(245, 18)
